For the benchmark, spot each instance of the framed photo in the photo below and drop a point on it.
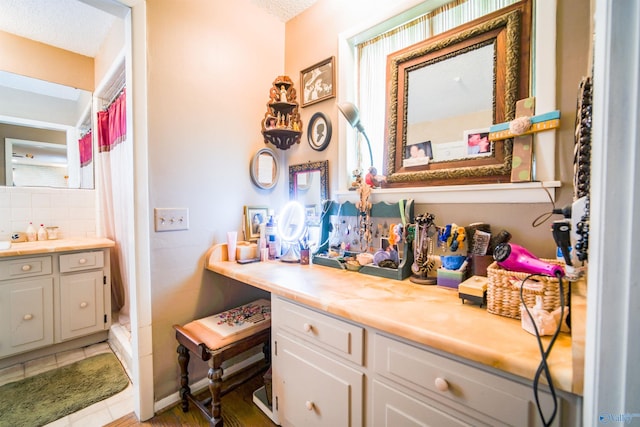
(318, 82)
(477, 142)
(319, 131)
(253, 217)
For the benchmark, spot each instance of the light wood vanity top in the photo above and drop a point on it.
(59, 245)
(428, 315)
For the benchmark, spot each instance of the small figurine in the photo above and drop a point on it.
(357, 176)
(373, 179)
(283, 94)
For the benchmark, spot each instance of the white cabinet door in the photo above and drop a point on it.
(313, 390)
(26, 315)
(82, 308)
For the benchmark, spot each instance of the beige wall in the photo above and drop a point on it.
(312, 37)
(210, 67)
(29, 58)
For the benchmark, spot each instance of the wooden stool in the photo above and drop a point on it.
(218, 338)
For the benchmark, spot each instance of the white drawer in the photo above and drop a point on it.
(25, 267)
(81, 261)
(337, 336)
(444, 379)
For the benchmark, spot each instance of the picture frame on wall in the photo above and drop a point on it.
(318, 82)
(319, 131)
(253, 217)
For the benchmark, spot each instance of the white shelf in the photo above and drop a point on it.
(526, 192)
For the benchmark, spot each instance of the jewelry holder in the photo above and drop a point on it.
(343, 231)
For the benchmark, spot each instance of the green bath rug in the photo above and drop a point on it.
(46, 397)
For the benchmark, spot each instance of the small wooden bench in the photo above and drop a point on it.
(216, 339)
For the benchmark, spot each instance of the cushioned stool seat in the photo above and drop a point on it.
(216, 339)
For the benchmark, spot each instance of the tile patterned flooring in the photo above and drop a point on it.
(98, 414)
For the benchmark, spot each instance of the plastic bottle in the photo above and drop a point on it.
(31, 233)
(42, 233)
(270, 231)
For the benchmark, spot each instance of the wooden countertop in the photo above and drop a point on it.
(60, 245)
(428, 315)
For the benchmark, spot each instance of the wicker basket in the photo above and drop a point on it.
(503, 298)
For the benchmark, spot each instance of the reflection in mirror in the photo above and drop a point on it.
(44, 114)
(308, 185)
(463, 87)
(445, 93)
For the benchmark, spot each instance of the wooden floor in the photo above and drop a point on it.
(238, 410)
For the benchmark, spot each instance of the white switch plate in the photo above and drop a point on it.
(171, 219)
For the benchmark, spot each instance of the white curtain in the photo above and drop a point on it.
(372, 62)
(115, 198)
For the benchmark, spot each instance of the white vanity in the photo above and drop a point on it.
(54, 295)
(354, 349)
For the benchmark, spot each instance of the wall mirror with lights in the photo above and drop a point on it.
(41, 124)
(445, 93)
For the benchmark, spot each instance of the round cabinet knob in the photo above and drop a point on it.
(307, 327)
(84, 304)
(82, 261)
(442, 384)
(309, 405)
(26, 267)
(27, 317)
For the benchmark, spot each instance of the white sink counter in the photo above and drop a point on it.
(59, 245)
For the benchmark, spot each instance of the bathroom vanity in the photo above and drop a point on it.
(354, 349)
(54, 295)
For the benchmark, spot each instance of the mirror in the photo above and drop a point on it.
(445, 93)
(308, 185)
(38, 119)
(264, 169)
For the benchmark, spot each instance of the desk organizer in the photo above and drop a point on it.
(340, 224)
(503, 297)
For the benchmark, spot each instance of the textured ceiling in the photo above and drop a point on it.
(67, 24)
(284, 9)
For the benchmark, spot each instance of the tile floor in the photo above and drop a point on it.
(96, 415)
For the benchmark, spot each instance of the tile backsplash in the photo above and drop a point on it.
(73, 211)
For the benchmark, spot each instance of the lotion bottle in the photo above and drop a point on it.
(42, 233)
(31, 233)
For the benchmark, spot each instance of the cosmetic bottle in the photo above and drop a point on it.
(42, 233)
(31, 233)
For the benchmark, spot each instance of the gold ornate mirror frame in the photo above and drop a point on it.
(509, 31)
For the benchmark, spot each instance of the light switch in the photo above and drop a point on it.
(171, 219)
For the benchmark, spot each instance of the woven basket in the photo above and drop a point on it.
(503, 298)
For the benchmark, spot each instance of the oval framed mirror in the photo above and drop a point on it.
(443, 94)
(264, 169)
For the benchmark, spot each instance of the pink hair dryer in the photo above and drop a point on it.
(516, 258)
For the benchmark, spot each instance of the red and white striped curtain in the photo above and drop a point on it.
(112, 124)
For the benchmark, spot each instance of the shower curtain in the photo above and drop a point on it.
(115, 178)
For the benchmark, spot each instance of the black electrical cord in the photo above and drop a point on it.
(543, 367)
